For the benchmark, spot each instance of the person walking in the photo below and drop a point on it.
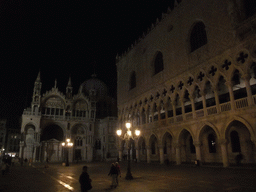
(118, 171)
(85, 180)
(113, 173)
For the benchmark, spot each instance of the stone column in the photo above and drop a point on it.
(193, 105)
(246, 79)
(174, 111)
(217, 101)
(231, 95)
(183, 109)
(148, 154)
(178, 157)
(161, 153)
(223, 144)
(166, 113)
(198, 150)
(159, 113)
(204, 104)
(147, 117)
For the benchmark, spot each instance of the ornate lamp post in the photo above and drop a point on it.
(67, 144)
(128, 135)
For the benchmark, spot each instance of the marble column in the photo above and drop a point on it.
(148, 154)
(223, 144)
(161, 153)
(178, 155)
(246, 79)
(231, 94)
(198, 150)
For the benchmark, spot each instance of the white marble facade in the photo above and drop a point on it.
(53, 117)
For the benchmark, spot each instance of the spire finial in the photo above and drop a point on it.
(55, 85)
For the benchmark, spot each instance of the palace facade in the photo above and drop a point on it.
(189, 85)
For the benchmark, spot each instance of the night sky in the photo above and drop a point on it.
(65, 38)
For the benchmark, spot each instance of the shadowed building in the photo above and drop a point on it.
(86, 118)
(189, 84)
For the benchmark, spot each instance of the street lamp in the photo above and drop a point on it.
(67, 144)
(128, 135)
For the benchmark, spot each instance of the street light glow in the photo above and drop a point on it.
(68, 140)
(128, 125)
(119, 132)
(137, 132)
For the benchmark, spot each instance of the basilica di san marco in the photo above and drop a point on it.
(69, 127)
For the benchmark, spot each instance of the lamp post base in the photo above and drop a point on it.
(128, 175)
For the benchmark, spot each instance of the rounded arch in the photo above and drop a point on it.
(52, 131)
(56, 100)
(78, 129)
(29, 126)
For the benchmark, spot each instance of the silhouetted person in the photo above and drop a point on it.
(85, 180)
(239, 158)
(113, 173)
(118, 171)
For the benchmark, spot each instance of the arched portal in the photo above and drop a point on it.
(168, 147)
(188, 152)
(51, 139)
(153, 144)
(52, 132)
(239, 141)
(142, 149)
(210, 146)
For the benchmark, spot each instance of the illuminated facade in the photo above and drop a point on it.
(85, 118)
(189, 84)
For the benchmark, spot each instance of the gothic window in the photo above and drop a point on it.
(211, 143)
(132, 80)
(158, 63)
(235, 142)
(79, 141)
(198, 36)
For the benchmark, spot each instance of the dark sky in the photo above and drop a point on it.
(65, 38)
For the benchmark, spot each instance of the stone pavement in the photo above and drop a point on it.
(147, 178)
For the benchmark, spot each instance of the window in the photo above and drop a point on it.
(198, 36)
(132, 80)
(158, 64)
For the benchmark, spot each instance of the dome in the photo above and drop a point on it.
(94, 84)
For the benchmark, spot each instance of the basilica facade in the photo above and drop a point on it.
(88, 119)
(189, 85)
